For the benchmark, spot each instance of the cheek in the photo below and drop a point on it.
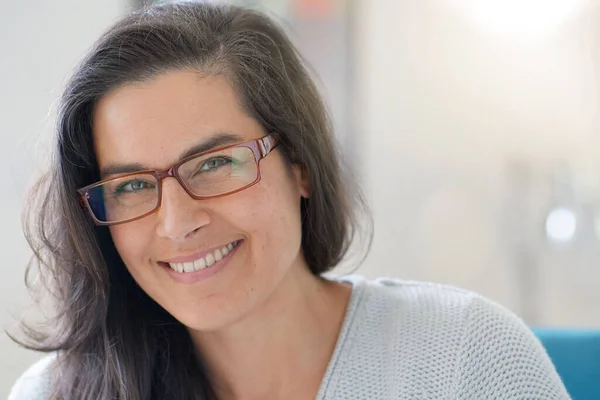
(275, 218)
(131, 244)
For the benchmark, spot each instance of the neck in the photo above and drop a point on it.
(282, 349)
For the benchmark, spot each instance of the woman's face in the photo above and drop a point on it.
(150, 125)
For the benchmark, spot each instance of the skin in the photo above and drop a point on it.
(264, 325)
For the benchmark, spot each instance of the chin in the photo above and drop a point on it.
(209, 322)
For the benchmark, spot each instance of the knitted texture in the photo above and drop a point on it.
(408, 340)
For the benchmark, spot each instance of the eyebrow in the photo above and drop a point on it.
(217, 140)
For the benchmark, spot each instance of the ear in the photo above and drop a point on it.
(302, 181)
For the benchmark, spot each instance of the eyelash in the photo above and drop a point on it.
(119, 189)
(225, 160)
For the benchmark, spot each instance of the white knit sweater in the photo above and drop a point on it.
(408, 340)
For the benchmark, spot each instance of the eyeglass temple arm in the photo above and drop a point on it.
(266, 144)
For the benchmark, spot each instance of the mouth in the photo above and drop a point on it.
(206, 261)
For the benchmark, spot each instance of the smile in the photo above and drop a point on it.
(206, 261)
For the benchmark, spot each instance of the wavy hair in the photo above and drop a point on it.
(112, 340)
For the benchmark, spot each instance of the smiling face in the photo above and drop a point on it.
(256, 232)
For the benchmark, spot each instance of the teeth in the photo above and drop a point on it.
(205, 261)
(210, 259)
(188, 267)
(199, 264)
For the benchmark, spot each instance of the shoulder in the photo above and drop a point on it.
(431, 303)
(466, 318)
(414, 302)
(395, 314)
(499, 350)
(419, 292)
(34, 383)
(477, 346)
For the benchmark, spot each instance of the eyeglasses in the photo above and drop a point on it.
(206, 175)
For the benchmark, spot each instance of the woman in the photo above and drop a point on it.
(195, 201)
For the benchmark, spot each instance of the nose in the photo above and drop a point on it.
(179, 216)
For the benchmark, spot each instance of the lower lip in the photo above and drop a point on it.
(188, 278)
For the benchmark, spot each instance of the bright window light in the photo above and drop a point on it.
(561, 225)
(525, 20)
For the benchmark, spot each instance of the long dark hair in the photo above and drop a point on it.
(113, 341)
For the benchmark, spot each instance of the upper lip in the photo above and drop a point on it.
(195, 256)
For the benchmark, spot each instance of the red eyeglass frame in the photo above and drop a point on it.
(260, 148)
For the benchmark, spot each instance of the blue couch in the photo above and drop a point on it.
(576, 355)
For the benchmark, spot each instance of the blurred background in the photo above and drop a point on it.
(473, 126)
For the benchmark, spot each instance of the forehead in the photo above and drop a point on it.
(152, 123)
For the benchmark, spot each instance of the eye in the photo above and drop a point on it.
(133, 186)
(214, 164)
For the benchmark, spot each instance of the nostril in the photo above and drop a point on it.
(192, 233)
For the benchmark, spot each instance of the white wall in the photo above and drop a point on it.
(461, 130)
(39, 43)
